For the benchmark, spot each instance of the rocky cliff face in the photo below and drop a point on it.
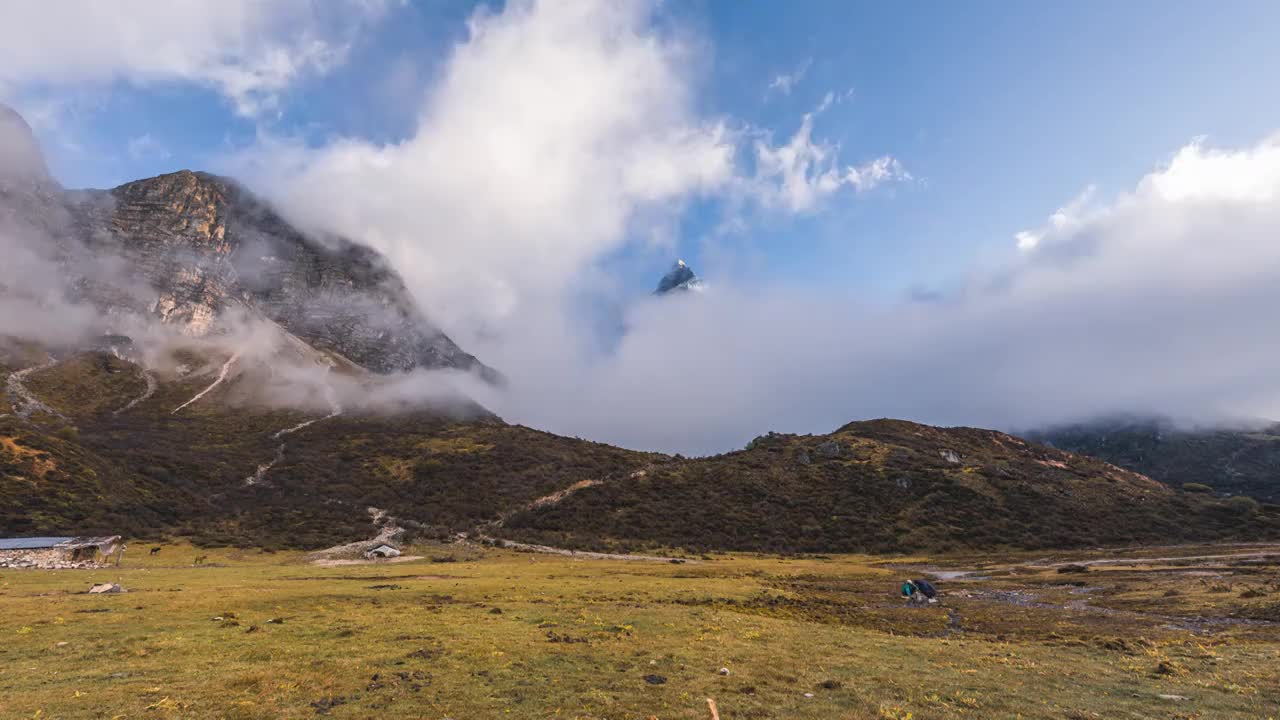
(189, 248)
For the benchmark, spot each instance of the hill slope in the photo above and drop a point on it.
(104, 450)
(198, 472)
(1231, 461)
(889, 485)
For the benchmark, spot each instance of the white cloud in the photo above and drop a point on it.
(557, 131)
(247, 50)
(796, 176)
(783, 83)
(1156, 301)
(146, 147)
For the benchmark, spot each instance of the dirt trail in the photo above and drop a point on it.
(24, 402)
(260, 475)
(1248, 555)
(582, 554)
(222, 375)
(151, 390)
(481, 532)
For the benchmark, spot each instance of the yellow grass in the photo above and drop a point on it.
(505, 634)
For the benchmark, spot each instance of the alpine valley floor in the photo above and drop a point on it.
(470, 632)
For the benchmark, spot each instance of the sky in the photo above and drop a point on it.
(976, 213)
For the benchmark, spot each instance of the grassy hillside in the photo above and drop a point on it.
(89, 466)
(889, 485)
(147, 471)
(1231, 461)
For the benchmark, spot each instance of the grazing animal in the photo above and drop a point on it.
(201, 558)
(155, 551)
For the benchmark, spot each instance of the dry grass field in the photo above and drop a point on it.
(468, 633)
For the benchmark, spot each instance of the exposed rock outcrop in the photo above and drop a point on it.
(189, 248)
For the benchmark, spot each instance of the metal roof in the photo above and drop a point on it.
(33, 543)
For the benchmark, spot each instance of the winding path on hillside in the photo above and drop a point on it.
(150, 378)
(222, 375)
(260, 475)
(24, 402)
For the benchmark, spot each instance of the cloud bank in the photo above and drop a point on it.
(561, 133)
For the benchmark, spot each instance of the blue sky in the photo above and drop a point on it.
(1001, 112)
(532, 169)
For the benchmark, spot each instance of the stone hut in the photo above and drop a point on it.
(58, 552)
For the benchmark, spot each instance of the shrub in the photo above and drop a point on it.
(1243, 504)
(1196, 487)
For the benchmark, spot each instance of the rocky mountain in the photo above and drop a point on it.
(196, 251)
(680, 278)
(1231, 460)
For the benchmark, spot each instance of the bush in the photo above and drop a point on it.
(1196, 487)
(1243, 505)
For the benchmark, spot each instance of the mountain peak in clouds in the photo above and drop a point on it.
(679, 278)
(21, 160)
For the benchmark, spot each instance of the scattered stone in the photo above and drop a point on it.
(951, 456)
(101, 588)
(64, 643)
(808, 695)
(724, 671)
(655, 679)
(496, 611)
(1173, 697)
(276, 621)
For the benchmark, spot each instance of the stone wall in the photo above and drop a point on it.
(45, 558)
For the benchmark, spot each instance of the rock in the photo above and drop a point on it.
(1173, 697)
(802, 457)
(724, 671)
(101, 588)
(808, 695)
(830, 450)
(951, 456)
(64, 643)
(655, 679)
